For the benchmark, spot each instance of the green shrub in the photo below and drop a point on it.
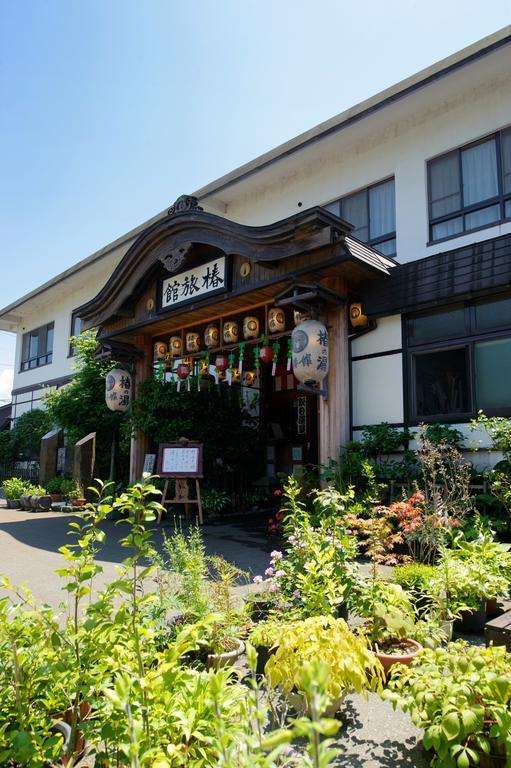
(414, 576)
(15, 487)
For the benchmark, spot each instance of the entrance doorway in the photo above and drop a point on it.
(290, 418)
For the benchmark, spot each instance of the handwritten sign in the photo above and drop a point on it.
(204, 280)
(149, 462)
(178, 460)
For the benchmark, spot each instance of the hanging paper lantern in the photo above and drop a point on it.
(230, 332)
(276, 320)
(299, 316)
(250, 327)
(118, 390)
(183, 372)
(175, 346)
(192, 342)
(222, 363)
(160, 350)
(310, 352)
(266, 354)
(211, 336)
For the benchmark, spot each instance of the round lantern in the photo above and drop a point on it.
(230, 332)
(250, 327)
(192, 342)
(221, 363)
(276, 320)
(211, 336)
(175, 346)
(266, 354)
(118, 390)
(160, 350)
(310, 352)
(183, 372)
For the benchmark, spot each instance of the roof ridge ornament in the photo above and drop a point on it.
(185, 204)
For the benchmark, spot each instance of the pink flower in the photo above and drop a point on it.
(276, 555)
(277, 493)
(268, 572)
(273, 587)
(258, 579)
(280, 573)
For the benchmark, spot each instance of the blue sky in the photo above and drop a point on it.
(113, 108)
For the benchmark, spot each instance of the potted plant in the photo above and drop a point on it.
(352, 666)
(390, 625)
(76, 496)
(265, 638)
(54, 488)
(415, 579)
(461, 697)
(13, 488)
(39, 499)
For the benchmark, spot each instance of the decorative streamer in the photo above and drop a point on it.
(289, 352)
(276, 350)
(241, 354)
(231, 365)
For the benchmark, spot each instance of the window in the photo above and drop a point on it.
(460, 361)
(37, 347)
(372, 212)
(470, 187)
(76, 329)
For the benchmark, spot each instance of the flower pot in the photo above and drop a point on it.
(263, 654)
(78, 502)
(40, 503)
(217, 660)
(56, 498)
(298, 702)
(472, 622)
(446, 625)
(492, 608)
(387, 660)
(260, 609)
(81, 744)
(13, 504)
(25, 502)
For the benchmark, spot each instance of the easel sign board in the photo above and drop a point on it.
(178, 460)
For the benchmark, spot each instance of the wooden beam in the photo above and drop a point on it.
(143, 371)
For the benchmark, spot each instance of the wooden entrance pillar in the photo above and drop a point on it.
(143, 371)
(334, 412)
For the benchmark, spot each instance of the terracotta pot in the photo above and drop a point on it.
(80, 741)
(387, 660)
(56, 498)
(78, 502)
(217, 660)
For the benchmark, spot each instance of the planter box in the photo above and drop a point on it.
(498, 631)
(472, 622)
(13, 503)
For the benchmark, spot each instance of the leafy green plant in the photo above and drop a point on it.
(351, 664)
(389, 611)
(76, 492)
(214, 500)
(443, 435)
(414, 577)
(15, 487)
(461, 697)
(267, 633)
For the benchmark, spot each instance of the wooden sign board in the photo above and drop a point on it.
(180, 460)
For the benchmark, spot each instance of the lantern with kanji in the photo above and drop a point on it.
(160, 350)
(175, 346)
(310, 352)
(118, 390)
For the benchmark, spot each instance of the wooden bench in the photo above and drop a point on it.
(498, 630)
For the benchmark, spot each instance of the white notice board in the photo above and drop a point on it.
(180, 460)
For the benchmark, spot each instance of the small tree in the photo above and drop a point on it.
(25, 436)
(80, 406)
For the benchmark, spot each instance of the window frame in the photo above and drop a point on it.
(471, 337)
(71, 351)
(500, 199)
(40, 359)
(371, 241)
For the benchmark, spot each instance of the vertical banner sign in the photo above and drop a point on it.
(204, 280)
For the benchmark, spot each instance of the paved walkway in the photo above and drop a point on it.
(372, 735)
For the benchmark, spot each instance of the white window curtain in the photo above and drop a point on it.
(479, 170)
(382, 210)
(354, 211)
(445, 186)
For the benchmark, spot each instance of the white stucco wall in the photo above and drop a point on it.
(397, 141)
(385, 337)
(377, 390)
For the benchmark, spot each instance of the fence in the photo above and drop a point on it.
(27, 470)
